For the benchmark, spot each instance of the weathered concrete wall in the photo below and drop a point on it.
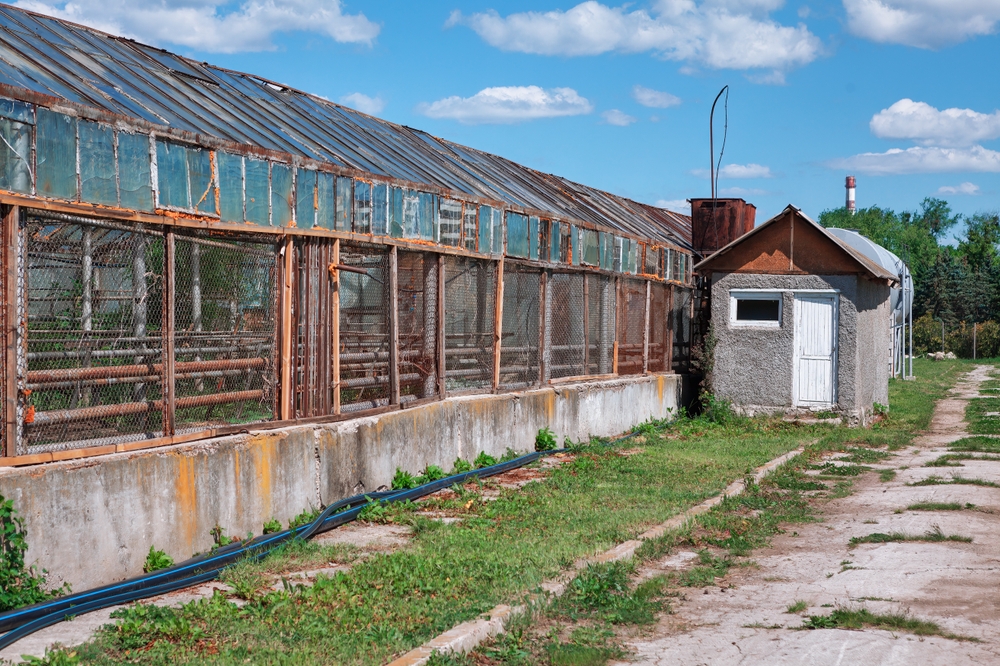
(874, 347)
(92, 522)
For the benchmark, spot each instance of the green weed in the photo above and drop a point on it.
(886, 475)
(272, 526)
(938, 506)
(20, 585)
(843, 618)
(933, 535)
(797, 607)
(156, 560)
(545, 440)
(484, 460)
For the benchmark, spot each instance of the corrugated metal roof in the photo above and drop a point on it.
(120, 76)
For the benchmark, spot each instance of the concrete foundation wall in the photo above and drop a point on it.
(92, 522)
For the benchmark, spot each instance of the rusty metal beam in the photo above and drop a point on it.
(11, 216)
(58, 416)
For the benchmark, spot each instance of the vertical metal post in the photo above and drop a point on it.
(586, 324)
(608, 326)
(11, 222)
(285, 368)
(670, 330)
(393, 326)
(169, 301)
(974, 326)
(429, 264)
(544, 345)
(942, 336)
(498, 327)
(442, 364)
(645, 334)
(87, 303)
(335, 326)
(619, 322)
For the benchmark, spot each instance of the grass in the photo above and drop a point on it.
(391, 602)
(886, 475)
(934, 535)
(976, 445)
(939, 506)
(843, 618)
(976, 413)
(797, 607)
(951, 459)
(935, 480)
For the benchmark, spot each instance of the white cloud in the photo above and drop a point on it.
(210, 25)
(738, 171)
(654, 99)
(742, 192)
(719, 34)
(619, 118)
(925, 24)
(509, 104)
(922, 123)
(964, 188)
(676, 205)
(363, 103)
(922, 160)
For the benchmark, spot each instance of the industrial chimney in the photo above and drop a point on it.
(850, 184)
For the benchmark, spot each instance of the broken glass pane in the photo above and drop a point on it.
(533, 230)
(305, 199)
(202, 180)
(606, 250)
(411, 215)
(469, 233)
(97, 164)
(362, 207)
(134, 180)
(380, 210)
(258, 194)
(344, 204)
(396, 212)
(668, 264)
(428, 223)
(517, 235)
(55, 155)
(15, 151)
(651, 260)
(19, 111)
(281, 195)
(172, 175)
(451, 222)
(591, 248)
(324, 200)
(619, 248)
(230, 187)
(485, 229)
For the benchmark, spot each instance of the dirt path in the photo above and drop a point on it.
(956, 585)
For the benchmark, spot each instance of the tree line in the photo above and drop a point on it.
(957, 283)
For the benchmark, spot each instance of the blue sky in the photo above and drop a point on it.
(618, 95)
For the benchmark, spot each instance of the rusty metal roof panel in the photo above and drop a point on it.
(123, 77)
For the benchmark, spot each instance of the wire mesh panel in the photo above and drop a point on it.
(470, 318)
(364, 327)
(224, 332)
(312, 315)
(631, 326)
(566, 322)
(681, 325)
(658, 323)
(519, 353)
(94, 296)
(600, 324)
(417, 279)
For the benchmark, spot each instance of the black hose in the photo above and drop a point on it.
(25, 621)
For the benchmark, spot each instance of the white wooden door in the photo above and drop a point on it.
(815, 350)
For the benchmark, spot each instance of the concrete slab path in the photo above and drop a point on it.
(744, 620)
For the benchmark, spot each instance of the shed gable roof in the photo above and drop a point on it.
(790, 243)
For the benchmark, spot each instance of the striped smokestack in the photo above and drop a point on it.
(850, 184)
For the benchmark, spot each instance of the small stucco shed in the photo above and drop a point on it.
(801, 321)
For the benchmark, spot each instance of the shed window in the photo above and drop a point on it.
(755, 309)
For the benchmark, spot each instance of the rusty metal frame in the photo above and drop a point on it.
(11, 224)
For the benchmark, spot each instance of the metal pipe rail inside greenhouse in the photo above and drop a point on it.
(60, 416)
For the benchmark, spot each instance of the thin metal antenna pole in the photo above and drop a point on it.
(711, 139)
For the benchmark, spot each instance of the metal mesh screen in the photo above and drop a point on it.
(600, 324)
(630, 328)
(470, 316)
(681, 325)
(566, 324)
(519, 353)
(417, 279)
(312, 315)
(94, 332)
(224, 332)
(364, 328)
(658, 323)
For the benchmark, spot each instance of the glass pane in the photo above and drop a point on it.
(574, 243)
(171, 175)
(517, 235)
(497, 232)
(396, 213)
(200, 177)
(19, 111)
(591, 248)
(230, 186)
(427, 223)
(55, 157)
(753, 309)
(533, 230)
(14, 172)
(134, 179)
(345, 204)
(607, 244)
(281, 195)
(668, 271)
(555, 241)
(380, 210)
(362, 207)
(258, 195)
(97, 164)
(469, 228)
(411, 215)
(305, 198)
(450, 225)
(485, 229)
(651, 257)
(324, 200)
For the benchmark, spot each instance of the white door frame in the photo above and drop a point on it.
(834, 296)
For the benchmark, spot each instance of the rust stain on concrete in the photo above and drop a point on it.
(186, 500)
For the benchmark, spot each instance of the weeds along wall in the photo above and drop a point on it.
(124, 336)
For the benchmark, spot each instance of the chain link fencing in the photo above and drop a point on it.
(519, 349)
(470, 322)
(417, 305)
(600, 324)
(631, 327)
(566, 325)
(659, 322)
(364, 327)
